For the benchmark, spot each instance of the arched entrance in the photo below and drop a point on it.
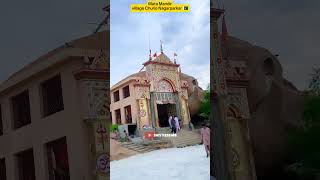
(166, 102)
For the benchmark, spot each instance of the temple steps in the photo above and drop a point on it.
(166, 130)
(185, 138)
(137, 147)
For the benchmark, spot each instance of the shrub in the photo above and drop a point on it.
(304, 142)
(114, 127)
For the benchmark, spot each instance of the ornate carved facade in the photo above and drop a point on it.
(237, 115)
(229, 84)
(155, 94)
(94, 84)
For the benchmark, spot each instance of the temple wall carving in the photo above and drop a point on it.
(97, 98)
(142, 92)
(157, 73)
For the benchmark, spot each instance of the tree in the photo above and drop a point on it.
(205, 105)
(304, 140)
(314, 84)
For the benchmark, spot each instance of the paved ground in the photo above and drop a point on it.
(189, 163)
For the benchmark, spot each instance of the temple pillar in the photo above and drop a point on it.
(187, 112)
(152, 109)
(94, 99)
(178, 105)
(237, 114)
(156, 115)
(143, 113)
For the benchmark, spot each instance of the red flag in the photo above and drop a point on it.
(155, 55)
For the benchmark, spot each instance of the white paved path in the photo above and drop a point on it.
(188, 163)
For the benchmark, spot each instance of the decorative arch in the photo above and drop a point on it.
(233, 111)
(166, 85)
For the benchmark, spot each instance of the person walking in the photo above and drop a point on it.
(176, 120)
(173, 126)
(205, 138)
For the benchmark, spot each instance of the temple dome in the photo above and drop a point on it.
(163, 58)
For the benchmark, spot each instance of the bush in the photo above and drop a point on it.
(304, 142)
(205, 106)
(114, 127)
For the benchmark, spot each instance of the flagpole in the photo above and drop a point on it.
(149, 49)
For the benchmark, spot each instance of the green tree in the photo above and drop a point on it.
(314, 84)
(205, 105)
(303, 141)
(114, 127)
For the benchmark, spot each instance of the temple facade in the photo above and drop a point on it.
(149, 97)
(230, 108)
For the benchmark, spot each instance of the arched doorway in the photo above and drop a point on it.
(165, 101)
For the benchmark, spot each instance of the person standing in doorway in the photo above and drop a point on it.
(173, 126)
(170, 123)
(176, 120)
(205, 138)
(180, 123)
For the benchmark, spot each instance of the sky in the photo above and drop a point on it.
(187, 34)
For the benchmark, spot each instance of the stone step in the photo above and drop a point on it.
(141, 150)
(137, 147)
(186, 138)
(188, 142)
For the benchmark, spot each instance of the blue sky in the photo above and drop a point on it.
(187, 34)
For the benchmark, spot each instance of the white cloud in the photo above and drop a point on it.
(187, 34)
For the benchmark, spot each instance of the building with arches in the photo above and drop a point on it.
(149, 97)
